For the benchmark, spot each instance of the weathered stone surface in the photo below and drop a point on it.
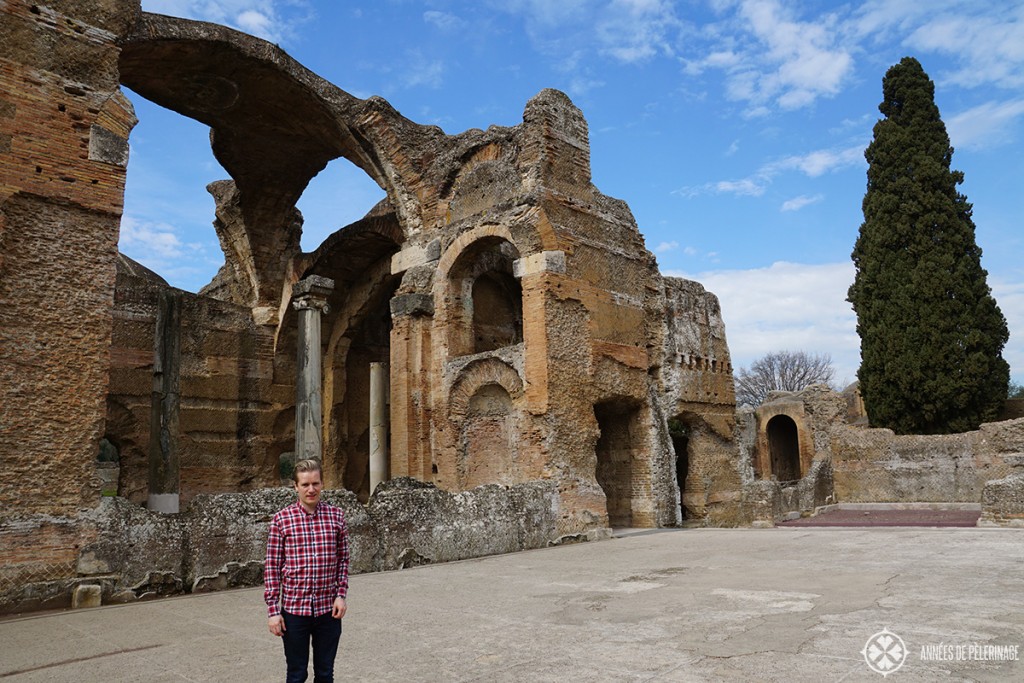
(530, 338)
(874, 465)
(1002, 502)
(86, 595)
(420, 525)
(219, 542)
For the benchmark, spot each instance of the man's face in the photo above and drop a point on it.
(309, 487)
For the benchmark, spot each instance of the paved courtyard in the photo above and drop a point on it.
(784, 604)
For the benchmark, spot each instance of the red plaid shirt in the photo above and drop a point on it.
(307, 560)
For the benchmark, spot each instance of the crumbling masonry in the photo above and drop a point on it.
(528, 333)
(543, 382)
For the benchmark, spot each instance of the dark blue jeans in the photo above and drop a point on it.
(324, 631)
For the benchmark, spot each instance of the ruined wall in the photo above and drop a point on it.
(220, 541)
(1002, 500)
(852, 463)
(527, 307)
(233, 419)
(530, 337)
(697, 397)
(63, 149)
(875, 465)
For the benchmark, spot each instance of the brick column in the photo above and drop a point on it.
(412, 319)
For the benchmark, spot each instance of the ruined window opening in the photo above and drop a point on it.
(168, 214)
(485, 306)
(108, 467)
(784, 448)
(109, 452)
(617, 422)
(497, 311)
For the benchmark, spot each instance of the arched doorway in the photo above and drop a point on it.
(784, 448)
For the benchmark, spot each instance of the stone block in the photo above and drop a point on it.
(87, 595)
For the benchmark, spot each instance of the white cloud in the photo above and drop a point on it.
(627, 31)
(746, 187)
(986, 125)
(256, 23)
(581, 85)
(145, 241)
(803, 307)
(273, 20)
(157, 246)
(811, 164)
(770, 58)
(818, 162)
(666, 246)
(797, 203)
(421, 71)
(787, 306)
(444, 20)
(636, 30)
(1010, 297)
(988, 46)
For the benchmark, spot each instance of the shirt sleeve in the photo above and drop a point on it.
(343, 556)
(272, 569)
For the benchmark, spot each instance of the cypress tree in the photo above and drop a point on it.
(931, 334)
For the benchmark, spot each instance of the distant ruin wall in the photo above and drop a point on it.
(875, 465)
(1002, 500)
(220, 540)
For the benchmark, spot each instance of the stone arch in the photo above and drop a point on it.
(274, 125)
(784, 448)
(480, 299)
(478, 374)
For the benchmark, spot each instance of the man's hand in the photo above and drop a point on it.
(339, 608)
(276, 625)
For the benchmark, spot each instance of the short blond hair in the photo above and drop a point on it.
(307, 465)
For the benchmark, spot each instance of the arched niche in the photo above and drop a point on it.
(783, 448)
(483, 300)
(484, 408)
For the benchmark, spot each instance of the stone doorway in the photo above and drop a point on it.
(784, 448)
(680, 433)
(617, 421)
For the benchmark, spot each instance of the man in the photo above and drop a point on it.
(306, 577)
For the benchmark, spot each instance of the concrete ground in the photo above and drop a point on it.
(784, 604)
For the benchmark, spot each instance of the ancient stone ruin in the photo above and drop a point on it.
(489, 360)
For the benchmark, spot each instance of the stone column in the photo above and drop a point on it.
(309, 297)
(378, 424)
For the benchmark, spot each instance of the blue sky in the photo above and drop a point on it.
(734, 130)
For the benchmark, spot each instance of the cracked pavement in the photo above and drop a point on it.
(785, 604)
